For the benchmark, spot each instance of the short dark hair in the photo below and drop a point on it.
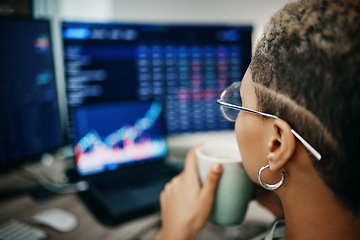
(306, 70)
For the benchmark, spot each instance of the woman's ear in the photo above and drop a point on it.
(281, 145)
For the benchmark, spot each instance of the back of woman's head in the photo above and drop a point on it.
(306, 70)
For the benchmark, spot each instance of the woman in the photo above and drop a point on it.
(305, 75)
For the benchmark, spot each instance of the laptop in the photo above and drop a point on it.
(120, 150)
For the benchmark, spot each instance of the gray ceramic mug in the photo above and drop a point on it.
(234, 188)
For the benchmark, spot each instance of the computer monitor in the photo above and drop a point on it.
(29, 123)
(186, 67)
(114, 134)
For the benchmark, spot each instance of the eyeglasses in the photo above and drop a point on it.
(231, 104)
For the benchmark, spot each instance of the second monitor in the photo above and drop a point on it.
(184, 66)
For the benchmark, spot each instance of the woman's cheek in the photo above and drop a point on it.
(245, 148)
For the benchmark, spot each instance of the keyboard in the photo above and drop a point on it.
(19, 230)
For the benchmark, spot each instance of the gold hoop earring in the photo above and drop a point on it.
(270, 187)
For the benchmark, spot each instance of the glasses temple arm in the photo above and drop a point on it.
(233, 106)
(307, 145)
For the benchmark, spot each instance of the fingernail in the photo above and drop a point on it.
(216, 167)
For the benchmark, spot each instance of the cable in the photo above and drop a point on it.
(60, 188)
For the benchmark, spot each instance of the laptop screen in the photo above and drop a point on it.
(110, 135)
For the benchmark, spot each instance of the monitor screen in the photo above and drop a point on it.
(109, 135)
(30, 122)
(185, 67)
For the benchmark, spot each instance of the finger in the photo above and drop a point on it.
(162, 203)
(167, 187)
(161, 197)
(211, 180)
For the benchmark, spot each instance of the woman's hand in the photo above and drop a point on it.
(185, 205)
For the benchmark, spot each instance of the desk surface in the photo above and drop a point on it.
(23, 207)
